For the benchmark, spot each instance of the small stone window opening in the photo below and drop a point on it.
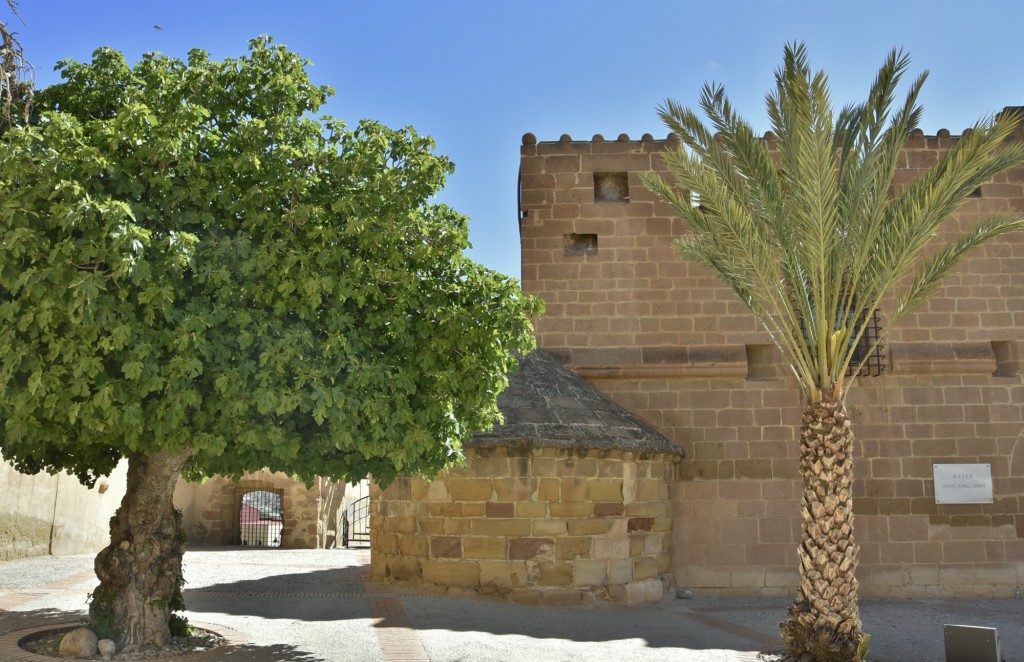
(764, 362)
(580, 244)
(1007, 358)
(611, 187)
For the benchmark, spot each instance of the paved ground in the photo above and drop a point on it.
(319, 606)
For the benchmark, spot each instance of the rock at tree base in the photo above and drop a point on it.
(106, 647)
(80, 642)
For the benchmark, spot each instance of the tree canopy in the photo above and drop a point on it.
(192, 261)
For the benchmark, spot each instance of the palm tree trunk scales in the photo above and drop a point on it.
(824, 621)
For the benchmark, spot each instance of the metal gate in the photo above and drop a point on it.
(261, 519)
(355, 526)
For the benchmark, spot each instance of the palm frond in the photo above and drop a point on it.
(934, 269)
(807, 230)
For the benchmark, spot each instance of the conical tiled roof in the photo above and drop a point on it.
(547, 405)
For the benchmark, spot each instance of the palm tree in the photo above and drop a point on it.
(810, 233)
(15, 76)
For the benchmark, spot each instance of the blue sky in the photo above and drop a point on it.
(478, 74)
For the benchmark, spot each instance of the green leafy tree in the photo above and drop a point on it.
(200, 277)
(811, 234)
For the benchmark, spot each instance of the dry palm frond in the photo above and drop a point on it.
(16, 76)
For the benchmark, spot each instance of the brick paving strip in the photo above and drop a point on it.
(398, 640)
(395, 634)
(774, 643)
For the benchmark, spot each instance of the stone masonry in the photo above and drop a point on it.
(541, 526)
(210, 510)
(566, 502)
(665, 340)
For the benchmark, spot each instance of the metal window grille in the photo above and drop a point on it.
(261, 519)
(875, 363)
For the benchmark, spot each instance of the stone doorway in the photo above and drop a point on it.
(261, 518)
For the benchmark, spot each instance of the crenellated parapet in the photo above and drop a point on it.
(666, 340)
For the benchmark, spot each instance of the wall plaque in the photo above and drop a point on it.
(963, 483)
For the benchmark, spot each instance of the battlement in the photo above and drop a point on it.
(623, 142)
(672, 344)
(943, 138)
(597, 246)
(571, 180)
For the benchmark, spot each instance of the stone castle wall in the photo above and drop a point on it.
(44, 514)
(664, 339)
(535, 525)
(210, 510)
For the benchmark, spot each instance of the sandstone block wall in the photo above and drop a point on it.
(664, 339)
(543, 525)
(210, 510)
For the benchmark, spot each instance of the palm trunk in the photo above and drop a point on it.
(140, 571)
(824, 621)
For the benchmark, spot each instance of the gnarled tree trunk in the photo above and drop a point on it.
(140, 570)
(824, 621)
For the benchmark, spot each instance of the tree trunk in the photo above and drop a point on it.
(824, 621)
(140, 571)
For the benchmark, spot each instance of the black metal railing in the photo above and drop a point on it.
(355, 526)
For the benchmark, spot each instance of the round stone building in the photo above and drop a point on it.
(567, 502)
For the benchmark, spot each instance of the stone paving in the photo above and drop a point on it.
(320, 606)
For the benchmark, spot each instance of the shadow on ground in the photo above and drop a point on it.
(16, 621)
(656, 626)
(329, 582)
(12, 621)
(336, 594)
